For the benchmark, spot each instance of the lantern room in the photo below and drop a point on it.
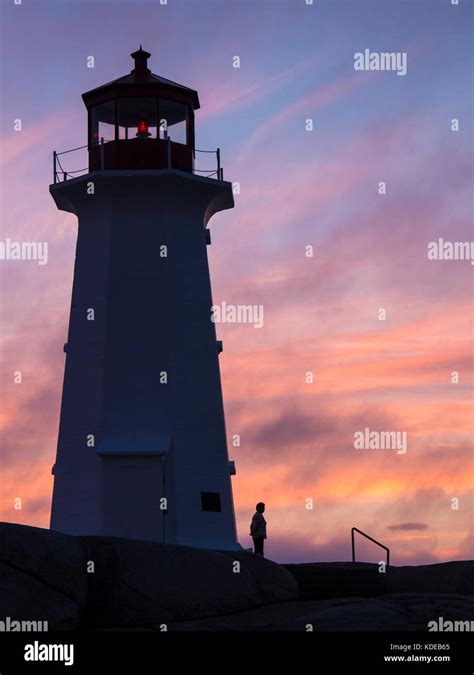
(141, 121)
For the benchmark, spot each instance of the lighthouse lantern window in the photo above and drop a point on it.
(137, 118)
(103, 122)
(174, 121)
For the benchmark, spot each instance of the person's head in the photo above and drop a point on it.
(260, 507)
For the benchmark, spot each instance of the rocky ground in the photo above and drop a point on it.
(106, 583)
(397, 612)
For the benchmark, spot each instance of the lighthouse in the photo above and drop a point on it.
(142, 450)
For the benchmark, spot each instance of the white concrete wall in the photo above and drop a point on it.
(152, 315)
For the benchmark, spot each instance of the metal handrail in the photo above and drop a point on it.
(70, 174)
(64, 152)
(208, 173)
(219, 172)
(355, 529)
(86, 168)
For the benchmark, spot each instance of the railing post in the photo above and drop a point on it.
(168, 149)
(218, 156)
(356, 529)
(54, 166)
(102, 153)
(64, 176)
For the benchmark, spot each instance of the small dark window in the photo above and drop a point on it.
(210, 501)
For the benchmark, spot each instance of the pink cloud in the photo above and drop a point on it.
(245, 89)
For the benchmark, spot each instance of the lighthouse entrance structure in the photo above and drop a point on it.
(142, 449)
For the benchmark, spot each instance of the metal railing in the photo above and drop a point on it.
(60, 174)
(57, 163)
(219, 171)
(355, 529)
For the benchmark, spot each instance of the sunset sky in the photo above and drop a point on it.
(297, 188)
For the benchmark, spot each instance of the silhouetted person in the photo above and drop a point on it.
(258, 529)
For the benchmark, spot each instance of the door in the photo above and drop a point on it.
(132, 487)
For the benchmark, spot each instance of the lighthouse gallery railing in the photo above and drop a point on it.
(60, 174)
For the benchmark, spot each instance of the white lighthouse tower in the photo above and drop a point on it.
(142, 449)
